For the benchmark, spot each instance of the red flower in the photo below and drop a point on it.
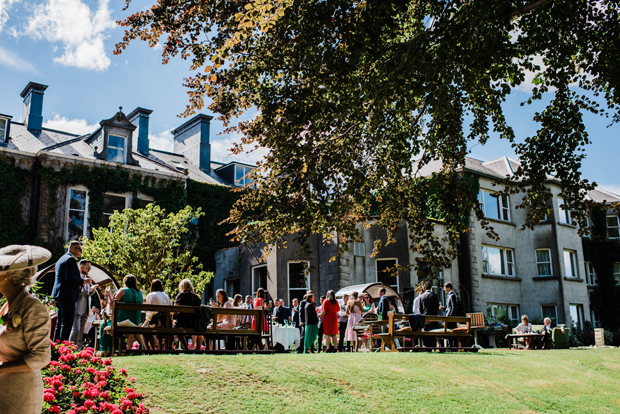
(48, 397)
(55, 409)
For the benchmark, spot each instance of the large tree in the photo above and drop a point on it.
(354, 97)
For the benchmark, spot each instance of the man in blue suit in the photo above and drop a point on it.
(67, 286)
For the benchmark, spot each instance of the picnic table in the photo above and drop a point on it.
(535, 336)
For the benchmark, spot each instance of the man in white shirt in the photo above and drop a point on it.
(247, 320)
(416, 301)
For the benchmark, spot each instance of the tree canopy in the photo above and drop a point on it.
(149, 244)
(354, 97)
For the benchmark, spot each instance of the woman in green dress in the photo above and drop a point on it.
(128, 294)
(368, 306)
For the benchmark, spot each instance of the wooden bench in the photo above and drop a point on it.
(463, 330)
(167, 330)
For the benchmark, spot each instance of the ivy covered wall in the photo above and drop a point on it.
(603, 253)
(14, 184)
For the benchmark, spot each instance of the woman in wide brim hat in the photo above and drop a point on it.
(24, 335)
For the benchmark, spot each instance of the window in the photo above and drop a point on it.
(298, 280)
(543, 262)
(570, 264)
(499, 310)
(494, 205)
(359, 249)
(112, 203)
(78, 214)
(576, 315)
(590, 274)
(385, 269)
(232, 286)
(240, 175)
(259, 278)
(564, 214)
(596, 321)
(613, 228)
(116, 148)
(498, 261)
(3, 128)
(549, 311)
(617, 273)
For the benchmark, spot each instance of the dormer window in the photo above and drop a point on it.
(117, 148)
(240, 175)
(4, 128)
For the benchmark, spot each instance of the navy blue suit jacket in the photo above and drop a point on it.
(68, 282)
(384, 307)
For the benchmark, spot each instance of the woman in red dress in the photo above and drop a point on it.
(330, 320)
(260, 301)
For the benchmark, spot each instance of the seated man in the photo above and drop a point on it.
(546, 342)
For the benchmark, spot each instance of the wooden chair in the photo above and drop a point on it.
(477, 323)
(363, 332)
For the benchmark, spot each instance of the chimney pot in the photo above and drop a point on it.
(32, 115)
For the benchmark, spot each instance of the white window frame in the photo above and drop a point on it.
(500, 205)
(245, 180)
(580, 314)
(288, 277)
(254, 283)
(126, 196)
(359, 249)
(564, 216)
(509, 308)
(617, 226)
(596, 321)
(504, 258)
(124, 149)
(229, 280)
(572, 256)
(549, 262)
(555, 306)
(86, 212)
(6, 128)
(383, 259)
(617, 272)
(591, 279)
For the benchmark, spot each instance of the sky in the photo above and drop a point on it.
(68, 45)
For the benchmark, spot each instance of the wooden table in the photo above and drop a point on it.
(535, 336)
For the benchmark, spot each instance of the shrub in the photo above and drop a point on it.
(79, 382)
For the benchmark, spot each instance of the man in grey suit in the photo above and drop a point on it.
(66, 290)
(450, 310)
(82, 306)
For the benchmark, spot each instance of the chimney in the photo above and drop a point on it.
(140, 118)
(192, 141)
(32, 115)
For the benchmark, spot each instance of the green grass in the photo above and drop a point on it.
(569, 381)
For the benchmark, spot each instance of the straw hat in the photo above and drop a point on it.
(18, 257)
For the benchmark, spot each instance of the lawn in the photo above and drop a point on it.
(568, 381)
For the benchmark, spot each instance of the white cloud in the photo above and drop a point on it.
(11, 60)
(220, 151)
(527, 85)
(162, 141)
(74, 126)
(80, 30)
(5, 6)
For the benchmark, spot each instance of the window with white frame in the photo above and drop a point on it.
(232, 286)
(494, 205)
(386, 273)
(359, 249)
(613, 227)
(498, 261)
(590, 274)
(596, 321)
(570, 264)
(617, 273)
(576, 315)
(259, 278)
(3, 129)
(564, 214)
(117, 148)
(240, 175)
(298, 280)
(77, 214)
(112, 203)
(498, 310)
(549, 311)
(543, 262)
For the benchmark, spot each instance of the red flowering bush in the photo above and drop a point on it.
(79, 382)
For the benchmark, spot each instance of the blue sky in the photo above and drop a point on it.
(68, 44)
